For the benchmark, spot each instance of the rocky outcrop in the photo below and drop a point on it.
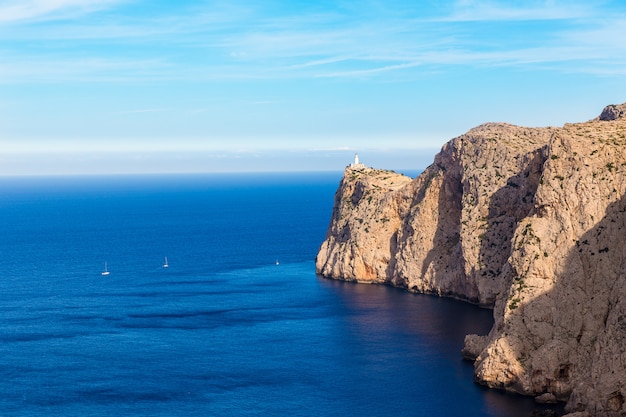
(529, 221)
(365, 220)
(613, 112)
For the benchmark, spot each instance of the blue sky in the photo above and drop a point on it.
(113, 86)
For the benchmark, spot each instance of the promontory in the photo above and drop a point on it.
(528, 221)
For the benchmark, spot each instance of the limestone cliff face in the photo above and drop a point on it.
(365, 219)
(530, 221)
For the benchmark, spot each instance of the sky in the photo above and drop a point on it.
(146, 86)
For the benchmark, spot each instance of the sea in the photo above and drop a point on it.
(238, 324)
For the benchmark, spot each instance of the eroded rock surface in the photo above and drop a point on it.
(529, 221)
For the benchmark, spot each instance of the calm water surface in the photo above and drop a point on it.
(223, 331)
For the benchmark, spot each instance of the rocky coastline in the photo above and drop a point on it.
(528, 221)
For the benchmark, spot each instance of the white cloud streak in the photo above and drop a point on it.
(480, 10)
(240, 43)
(34, 10)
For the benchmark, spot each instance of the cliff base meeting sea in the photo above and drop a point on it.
(238, 324)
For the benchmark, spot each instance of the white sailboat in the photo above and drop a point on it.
(165, 265)
(106, 271)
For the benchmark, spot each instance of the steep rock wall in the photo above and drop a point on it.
(530, 221)
(366, 215)
(559, 328)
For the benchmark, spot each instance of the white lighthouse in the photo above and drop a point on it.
(356, 164)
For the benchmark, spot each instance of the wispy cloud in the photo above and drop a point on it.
(337, 149)
(237, 41)
(481, 10)
(144, 111)
(28, 10)
(69, 69)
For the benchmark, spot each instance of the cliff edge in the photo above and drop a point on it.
(528, 221)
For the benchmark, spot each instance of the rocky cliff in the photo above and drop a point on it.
(529, 221)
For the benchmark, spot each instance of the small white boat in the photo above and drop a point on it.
(106, 271)
(165, 265)
(277, 263)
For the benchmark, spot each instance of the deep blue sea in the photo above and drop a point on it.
(224, 330)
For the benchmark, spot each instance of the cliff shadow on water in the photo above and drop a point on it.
(529, 221)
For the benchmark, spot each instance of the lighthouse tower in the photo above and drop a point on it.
(356, 164)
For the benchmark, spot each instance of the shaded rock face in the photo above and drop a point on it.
(448, 232)
(529, 221)
(613, 112)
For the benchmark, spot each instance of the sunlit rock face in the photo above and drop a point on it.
(529, 221)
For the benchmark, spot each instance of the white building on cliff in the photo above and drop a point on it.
(356, 164)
